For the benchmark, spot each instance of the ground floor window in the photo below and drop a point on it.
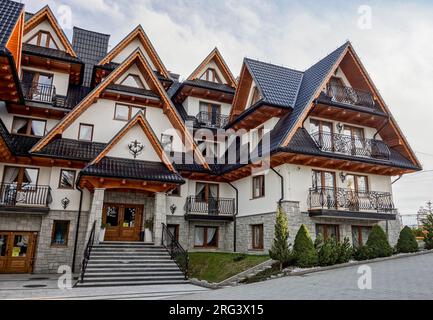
(174, 230)
(257, 233)
(328, 231)
(60, 233)
(360, 235)
(206, 237)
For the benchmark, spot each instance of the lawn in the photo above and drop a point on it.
(218, 266)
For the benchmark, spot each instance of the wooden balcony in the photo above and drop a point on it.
(348, 203)
(197, 208)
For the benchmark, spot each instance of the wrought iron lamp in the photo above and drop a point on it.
(65, 202)
(173, 208)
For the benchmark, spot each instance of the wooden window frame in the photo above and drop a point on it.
(79, 131)
(133, 75)
(49, 39)
(21, 175)
(261, 235)
(60, 179)
(322, 178)
(53, 233)
(325, 230)
(205, 237)
(29, 126)
(356, 177)
(211, 75)
(360, 240)
(262, 189)
(130, 107)
(207, 190)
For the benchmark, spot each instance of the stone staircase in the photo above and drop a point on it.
(130, 264)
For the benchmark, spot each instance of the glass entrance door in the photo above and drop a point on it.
(17, 251)
(123, 222)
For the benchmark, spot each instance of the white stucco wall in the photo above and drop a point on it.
(130, 48)
(192, 106)
(44, 26)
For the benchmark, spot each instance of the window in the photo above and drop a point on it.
(257, 232)
(356, 183)
(323, 183)
(176, 192)
(125, 112)
(258, 186)
(206, 237)
(30, 127)
(356, 139)
(322, 133)
(67, 179)
(43, 39)
(167, 142)
(211, 75)
(360, 235)
(85, 132)
(206, 191)
(38, 86)
(210, 114)
(23, 178)
(59, 236)
(328, 231)
(133, 80)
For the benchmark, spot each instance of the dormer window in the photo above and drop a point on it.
(211, 75)
(43, 39)
(133, 80)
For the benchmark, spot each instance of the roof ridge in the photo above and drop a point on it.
(104, 34)
(272, 64)
(347, 43)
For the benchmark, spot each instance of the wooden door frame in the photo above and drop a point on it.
(31, 250)
(120, 217)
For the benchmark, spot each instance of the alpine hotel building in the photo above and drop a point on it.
(88, 137)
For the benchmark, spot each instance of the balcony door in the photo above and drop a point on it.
(208, 193)
(322, 133)
(357, 191)
(324, 189)
(37, 86)
(356, 145)
(18, 185)
(210, 113)
(122, 222)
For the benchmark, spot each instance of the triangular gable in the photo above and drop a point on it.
(140, 121)
(133, 71)
(215, 57)
(135, 58)
(137, 33)
(316, 77)
(46, 14)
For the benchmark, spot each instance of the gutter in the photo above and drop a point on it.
(282, 185)
(234, 216)
(78, 225)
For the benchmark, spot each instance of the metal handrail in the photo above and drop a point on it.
(176, 251)
(87, 251)
(34, 91)
(212, 119)
(351, 200)
(351, 96)
(211, 206)
(13, 194)
(350, 145)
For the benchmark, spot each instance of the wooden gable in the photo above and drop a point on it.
(242, 93)
(44, 20)
(214, 61)
(136, 39)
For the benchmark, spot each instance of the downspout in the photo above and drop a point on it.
(234, 216)
(78, 224)
(282, 186)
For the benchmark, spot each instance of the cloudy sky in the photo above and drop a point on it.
(396, 48)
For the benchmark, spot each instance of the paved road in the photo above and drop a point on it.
(404, 278)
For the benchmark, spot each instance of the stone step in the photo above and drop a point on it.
(129, 262)
(129, 257)
(134, 278)
(155, 273)
(127, 250)
(126, 283)
(110, 264)
(127, 244)
(132, 267)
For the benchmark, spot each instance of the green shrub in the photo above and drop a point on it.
(407, 241)
(418, 232)
(328, 252)
(280, 250)
(304, 252)
(344, 250)
(378, 243)
(428, 229)
(361, 253)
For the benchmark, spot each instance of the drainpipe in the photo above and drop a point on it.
(282, 186)
(234, 216)
(78, 225)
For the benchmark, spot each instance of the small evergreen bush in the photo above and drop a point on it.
(361, 253)
(344, 251)
(304, 251)
(280, 250)
(407, 241)
(328, 252)
(428, 232)
(378, 244)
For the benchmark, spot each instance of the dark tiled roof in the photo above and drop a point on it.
(21, 145)
(9, 13)
(304, 144)
(143, 92)
(49, 53)
(173, 89)
(278, 85)
(210, 85)
(132, 169)
(90, 47)
(72, 149)
(312, 79)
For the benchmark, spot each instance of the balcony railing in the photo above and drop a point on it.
(217, 206)
(40, 92)
(350, 200)
(12, 194)
(350, 145)
(351, 96)
(210, 119)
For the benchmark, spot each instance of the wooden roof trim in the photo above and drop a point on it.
(138, 119)
(46, 13)
(147, 44)
(238, 92)
(383, 105)
(215, 54)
